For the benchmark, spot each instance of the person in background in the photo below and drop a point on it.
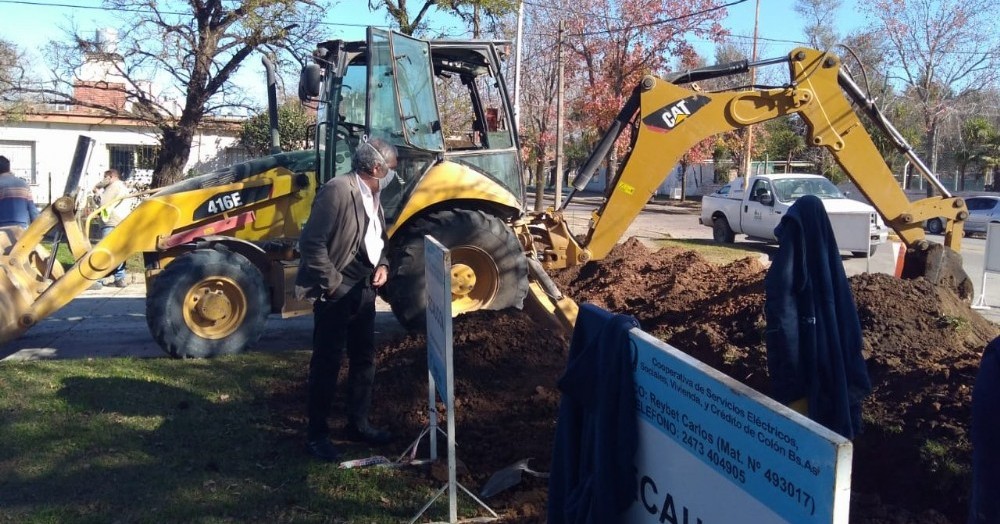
(109, 189)
(342, 265)
(16, 205)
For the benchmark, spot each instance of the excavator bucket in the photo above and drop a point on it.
(940, 265)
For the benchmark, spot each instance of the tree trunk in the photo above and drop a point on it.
(932, 153)
(611, 172)
(173, 156)
(540, 181)
(684, 167)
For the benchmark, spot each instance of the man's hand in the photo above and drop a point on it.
(380, 276)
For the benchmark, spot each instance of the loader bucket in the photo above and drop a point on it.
(940, 265)
(13, 298)
(12, 306)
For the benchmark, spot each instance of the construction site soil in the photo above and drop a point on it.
(922, 345)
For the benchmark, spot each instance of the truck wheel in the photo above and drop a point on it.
(721, 232)
(207, 302)
(488, 266)
(935, 226)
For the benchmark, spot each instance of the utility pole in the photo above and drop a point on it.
(517, 69)
(748, 144)
(559, 121)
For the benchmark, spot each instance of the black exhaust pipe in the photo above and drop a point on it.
(81, 158)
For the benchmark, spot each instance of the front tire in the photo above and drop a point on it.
(721, 232)
(935, 226)
(489, 269)
(206, 303)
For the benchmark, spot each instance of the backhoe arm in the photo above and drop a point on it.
(669, 120)
(672, 119)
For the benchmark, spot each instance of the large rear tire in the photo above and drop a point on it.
(206, 303)
(489, 269)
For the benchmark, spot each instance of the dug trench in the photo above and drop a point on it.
(922, 345)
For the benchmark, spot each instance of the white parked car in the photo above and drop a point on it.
(983, 210)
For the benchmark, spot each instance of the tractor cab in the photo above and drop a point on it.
(436, 101)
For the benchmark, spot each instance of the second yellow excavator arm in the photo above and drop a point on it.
(669, 120)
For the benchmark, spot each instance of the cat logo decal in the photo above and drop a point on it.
(663, 120)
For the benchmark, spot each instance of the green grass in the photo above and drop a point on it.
(133, 263)
(716, 253)
(159, 440)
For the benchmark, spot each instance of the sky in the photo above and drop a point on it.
(32, 23)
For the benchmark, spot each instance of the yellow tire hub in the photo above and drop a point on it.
(215, 307)
(475, 279)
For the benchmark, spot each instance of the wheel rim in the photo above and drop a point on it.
(215, 307)
(475, 279)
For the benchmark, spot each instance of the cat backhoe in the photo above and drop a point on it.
(220, 252)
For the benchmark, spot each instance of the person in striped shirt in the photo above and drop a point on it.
(17, 208)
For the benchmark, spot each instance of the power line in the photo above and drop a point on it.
(149, 11)
(662, 21)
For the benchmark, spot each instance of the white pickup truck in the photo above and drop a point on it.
(857, 226)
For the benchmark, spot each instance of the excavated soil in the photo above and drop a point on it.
(922, 345)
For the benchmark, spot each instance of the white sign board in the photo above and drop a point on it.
(437, 262)
(441, 377)
(991, 261)
(714, 450)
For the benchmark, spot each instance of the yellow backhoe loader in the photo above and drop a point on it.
(220, 248)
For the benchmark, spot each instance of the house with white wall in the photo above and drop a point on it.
(40, 147)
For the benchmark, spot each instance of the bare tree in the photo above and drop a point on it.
(473, 12)
(9, 64)
(188, 50)
(820, 20)
(942, 51)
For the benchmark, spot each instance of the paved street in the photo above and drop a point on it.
(111, 321)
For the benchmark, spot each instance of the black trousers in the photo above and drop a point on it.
(345, 323)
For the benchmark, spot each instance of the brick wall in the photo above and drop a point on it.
(107, 94)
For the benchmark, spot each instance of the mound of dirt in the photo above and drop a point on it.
(922, 345)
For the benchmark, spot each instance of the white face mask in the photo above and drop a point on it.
(387, 179)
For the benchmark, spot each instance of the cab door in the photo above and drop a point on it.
(758, 216)
(402, 110)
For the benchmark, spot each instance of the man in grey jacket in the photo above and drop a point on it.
(342, 264)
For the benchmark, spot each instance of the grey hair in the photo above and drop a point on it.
(372, 153)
